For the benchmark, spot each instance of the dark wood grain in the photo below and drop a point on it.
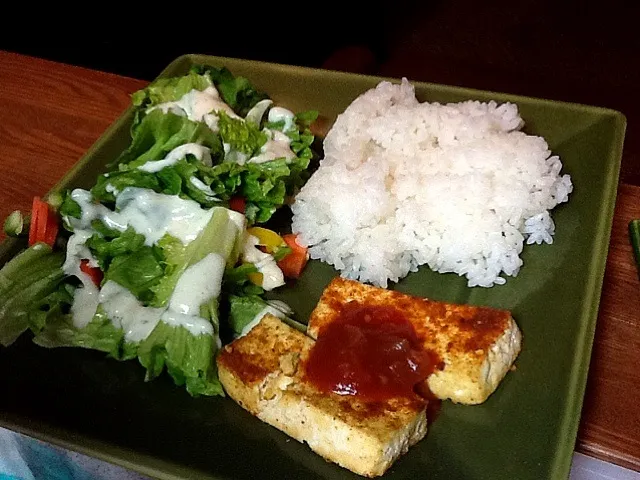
(610, 427)
(51, 113)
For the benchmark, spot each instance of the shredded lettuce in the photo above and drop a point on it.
(241, 136)
(107, 244)
(35, 293)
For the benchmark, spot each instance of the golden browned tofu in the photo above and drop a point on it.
(476, 345)
(264, 373)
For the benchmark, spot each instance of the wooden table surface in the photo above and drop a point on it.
(51, 113)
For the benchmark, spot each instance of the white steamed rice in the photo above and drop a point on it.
(456, 187)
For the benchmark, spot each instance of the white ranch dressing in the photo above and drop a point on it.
(257, 112)
(203, 187)
(152, 215)
(111, 189)
(202, 153)
(85, 303)
(198, 284)
(85, 298)
(196, 104)
(147, 212)
(280, 114)
(278, 146)
(126, 312)
(232, 155)
(272, 276)
(77, 250)
(196, 325)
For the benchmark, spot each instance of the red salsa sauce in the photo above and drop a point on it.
(369, 351)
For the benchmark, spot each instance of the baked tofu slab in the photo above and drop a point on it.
(264, 373)
(477, 345)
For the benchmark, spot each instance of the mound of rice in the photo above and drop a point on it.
(456, 187)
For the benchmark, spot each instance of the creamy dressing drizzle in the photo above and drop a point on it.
(202, 153)
(111, 189)
(147, 212)
(278, 146)
(153, 215)
(198, 284)
(85, 300)
(203, 187)
(85, 303)
(280, 114)
(197, 106)
(126, 312)
(272, 276)
(232, 155)
(257, 112)
(196, 325)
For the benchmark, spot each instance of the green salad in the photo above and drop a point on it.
(166, 249)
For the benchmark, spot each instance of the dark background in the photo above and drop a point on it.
(576, 51)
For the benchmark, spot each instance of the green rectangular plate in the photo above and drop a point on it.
(526, 430)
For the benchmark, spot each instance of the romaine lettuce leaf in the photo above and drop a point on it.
(243, 310)
(221, 235)
(139, 272)
(107, 184)
(69, 207)
(56, 304)
(264, 186)
(177, 179)
(25, 281)
(99, 334)
(159, 133)
(167, 90)
(246, 311)
(189, 172)
(188, 358)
